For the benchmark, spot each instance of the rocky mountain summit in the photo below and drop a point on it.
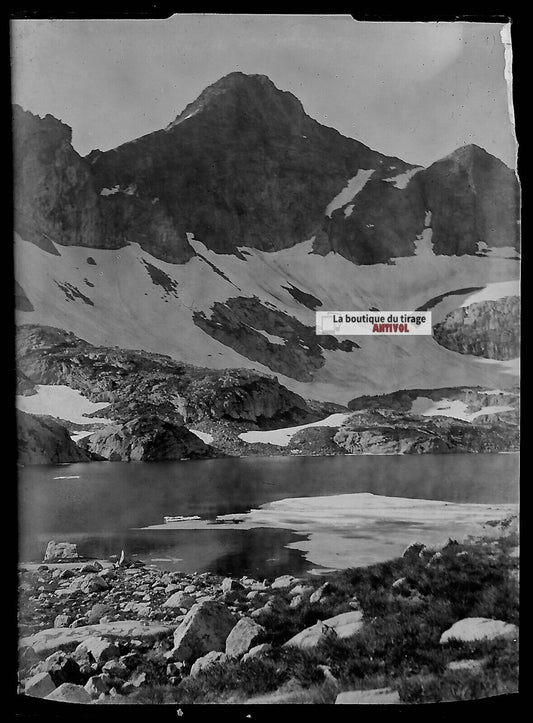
(245, 166)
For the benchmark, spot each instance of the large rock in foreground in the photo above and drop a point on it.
(204, 629)
(471, 630)
(46, 642)
(70, 693)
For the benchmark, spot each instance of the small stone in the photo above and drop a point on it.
(62, 621)
(91, 567)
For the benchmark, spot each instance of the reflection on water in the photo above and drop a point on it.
(99, 509)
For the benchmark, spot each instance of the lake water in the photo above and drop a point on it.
(102, 507)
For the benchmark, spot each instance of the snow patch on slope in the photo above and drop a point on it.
(494, 291)
(282, 437)
(61, 401)
(348, 193)
(402, 179)
(452, 408)
(130, 312)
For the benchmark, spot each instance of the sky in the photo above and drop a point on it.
(413, 90)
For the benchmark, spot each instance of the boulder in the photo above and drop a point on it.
(346, 624)
(100, 648)
(283, 582)
(60, 551)
(70, 693)
(377, 696)
(97, 612)
(471, 630)
(88, 583)
(412, 551)
(116, 669)
(243, 636)
(204, 629)
(311, 637)
(180, 600)
(97, 685)
(229, 584)
(39, 685)
(62, 668)
(207, 660)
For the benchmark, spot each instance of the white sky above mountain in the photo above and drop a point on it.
(413, 90)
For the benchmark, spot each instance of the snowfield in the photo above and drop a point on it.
(130, 311)
(63, 402)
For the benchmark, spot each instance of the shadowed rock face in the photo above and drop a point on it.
(56, 198)
(489, 329)
(146, 439)
(41, 441)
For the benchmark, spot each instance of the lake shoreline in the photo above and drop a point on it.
(63, 604)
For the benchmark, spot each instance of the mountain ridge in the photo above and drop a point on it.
(243, 165)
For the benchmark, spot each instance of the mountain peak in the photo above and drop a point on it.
(246, 93)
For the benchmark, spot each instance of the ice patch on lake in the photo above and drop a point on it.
(58, 400)
(282, 437)
(351, 530)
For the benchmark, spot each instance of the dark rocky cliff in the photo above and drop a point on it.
(42, 441)
(490, 329)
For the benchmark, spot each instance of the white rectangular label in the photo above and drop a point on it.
(374, 323)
